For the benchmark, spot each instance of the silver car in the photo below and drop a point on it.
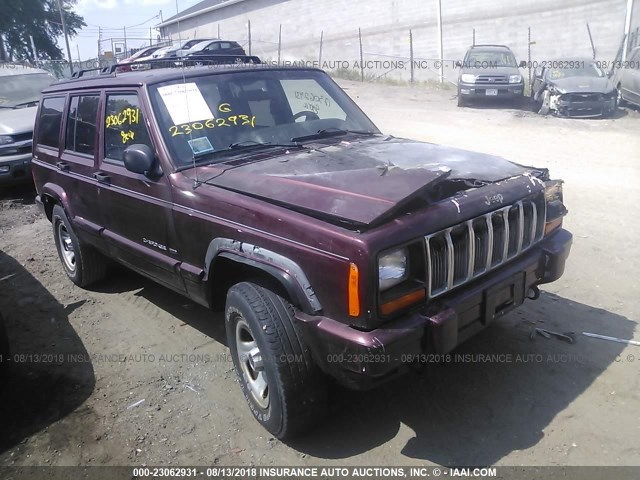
(629, 79)
(20, 89)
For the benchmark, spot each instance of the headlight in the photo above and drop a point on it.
(467, 78)
(515, 78)
(5, 140)
(555, 208)
(553, 190)
(392, 268)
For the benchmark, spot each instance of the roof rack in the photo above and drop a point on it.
(176, 62)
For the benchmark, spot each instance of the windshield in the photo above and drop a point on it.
(575, 69)
(490, 59)
(209, 115)
(22, 89)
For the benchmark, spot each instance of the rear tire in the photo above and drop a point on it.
(285, 390)
(82, 263)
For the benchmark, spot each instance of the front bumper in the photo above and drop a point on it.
(502, 91)
(15, 169)
(362, 359)
(574, 106)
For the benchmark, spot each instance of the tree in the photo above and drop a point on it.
(40, 19)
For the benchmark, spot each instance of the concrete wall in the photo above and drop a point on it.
(558, 28)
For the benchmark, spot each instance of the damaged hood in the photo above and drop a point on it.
(361, 182)
(583, 85)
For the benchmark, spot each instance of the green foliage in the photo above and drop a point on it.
(40, 19)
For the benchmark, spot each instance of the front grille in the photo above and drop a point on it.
(491, 79)
(582, 97)
(459, 254)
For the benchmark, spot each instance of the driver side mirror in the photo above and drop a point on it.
(139, 158)
(458, 64)
(523, 64)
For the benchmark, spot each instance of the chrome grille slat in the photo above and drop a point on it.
(458, 254)
(505, 239)
(450, 259)
(534, 223)
(489, 241)
(520, 226)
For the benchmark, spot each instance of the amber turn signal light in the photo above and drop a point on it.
(402, 302)
(552, 225)
(354, 296)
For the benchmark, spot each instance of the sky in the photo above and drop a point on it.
(112, 15)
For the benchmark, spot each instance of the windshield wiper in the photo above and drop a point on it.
(254, 144)
(205, 158)
(330, 132)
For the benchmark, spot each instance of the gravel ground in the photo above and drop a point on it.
(130, 373)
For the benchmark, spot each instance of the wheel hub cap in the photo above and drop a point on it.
(252, 364)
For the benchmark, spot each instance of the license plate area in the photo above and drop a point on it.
(491, 92)
(504, 297)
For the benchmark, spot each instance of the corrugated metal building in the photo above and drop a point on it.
(557, 28)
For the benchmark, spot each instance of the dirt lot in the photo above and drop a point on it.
(135, 374)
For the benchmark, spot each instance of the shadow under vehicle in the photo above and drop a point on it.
(47, 374)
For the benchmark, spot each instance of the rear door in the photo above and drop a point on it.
(77, 163)
(136, 209)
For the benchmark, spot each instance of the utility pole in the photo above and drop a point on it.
(35, 52)
(78, 50)
(66, 36)
(124, 29)
(440, 48)
(99, 43)
(627, 29)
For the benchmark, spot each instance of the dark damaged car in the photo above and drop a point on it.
(334, 250)
(573, 88)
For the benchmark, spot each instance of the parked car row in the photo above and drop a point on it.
(180, 49)
(569, 87)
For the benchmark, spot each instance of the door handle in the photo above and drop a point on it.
(102, 177)
(64, 166)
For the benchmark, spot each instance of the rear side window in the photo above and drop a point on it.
(50, 121)
(81, 124)
(124, 125)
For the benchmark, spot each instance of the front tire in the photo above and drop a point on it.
(82, 263)
(284, 388)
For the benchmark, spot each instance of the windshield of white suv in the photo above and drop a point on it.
(490, 59)
(24, 89)
(212, 115)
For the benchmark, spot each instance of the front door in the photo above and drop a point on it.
(136, 209)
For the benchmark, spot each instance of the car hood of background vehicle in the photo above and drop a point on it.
(16, 121)
(359, 182)
(583, 84)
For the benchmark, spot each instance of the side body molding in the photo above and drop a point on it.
(283, 269)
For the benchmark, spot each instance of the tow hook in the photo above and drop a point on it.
(533, 293)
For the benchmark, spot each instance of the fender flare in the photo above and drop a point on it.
(58, 194)
(284, 270)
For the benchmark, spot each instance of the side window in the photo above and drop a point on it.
(50, 121)
(81, 124)
(306, 95)
(212, 47)
(124, 125)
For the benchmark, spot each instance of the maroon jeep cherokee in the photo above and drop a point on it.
(332, 248)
